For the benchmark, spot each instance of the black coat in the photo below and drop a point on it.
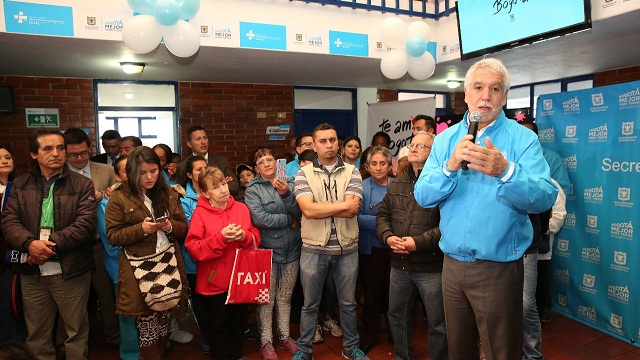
(400, 215)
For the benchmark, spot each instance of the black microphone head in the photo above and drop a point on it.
(475, 117)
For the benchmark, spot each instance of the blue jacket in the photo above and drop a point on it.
(558, 171)
(189, 202)
(484, 217)
(372, 195)
(274, 214)
(111, 255)
(292, 167)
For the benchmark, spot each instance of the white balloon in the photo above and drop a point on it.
(422, 67)
(393, 32)
(394, 64)
(419, 28)
(182, 39)
(142, 33)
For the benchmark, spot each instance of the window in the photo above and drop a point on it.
(442, 100)
(145, 110)
(526, 96)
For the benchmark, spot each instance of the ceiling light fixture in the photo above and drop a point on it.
(132, 68)
(452, 84)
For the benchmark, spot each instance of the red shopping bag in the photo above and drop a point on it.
(251, 277)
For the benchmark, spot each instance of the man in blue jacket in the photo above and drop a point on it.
(483, 216)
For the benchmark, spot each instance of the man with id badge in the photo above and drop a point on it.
(51, 216)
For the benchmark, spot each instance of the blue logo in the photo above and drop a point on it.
(345, 43)
(263, 36)
(38, 19)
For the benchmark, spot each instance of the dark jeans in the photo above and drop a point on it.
(543, 291)
(11, 328)
(199, 308)
(227, 324)
(374, 275)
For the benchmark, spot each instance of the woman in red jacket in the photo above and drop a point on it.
(219, 226)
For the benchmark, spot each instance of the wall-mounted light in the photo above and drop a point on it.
(452, 84)
(132, 68)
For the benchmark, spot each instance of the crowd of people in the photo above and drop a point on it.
(345, 225)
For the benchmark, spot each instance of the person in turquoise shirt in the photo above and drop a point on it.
(129, 346)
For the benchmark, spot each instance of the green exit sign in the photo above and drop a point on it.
(37, 117)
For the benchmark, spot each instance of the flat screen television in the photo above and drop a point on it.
(489, 26)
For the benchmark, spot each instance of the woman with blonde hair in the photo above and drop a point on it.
(219, 226)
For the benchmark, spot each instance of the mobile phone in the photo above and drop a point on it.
(161, 219)
(281, 169)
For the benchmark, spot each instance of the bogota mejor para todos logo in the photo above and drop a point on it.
(562, 276)
(619, 293)
(547, 135)
(630, 99)
(571, 106)
(588, 313)
(570, 221)
(591, 255)
(570, 163)
(598, 134)
(622, 230)
(594, 195)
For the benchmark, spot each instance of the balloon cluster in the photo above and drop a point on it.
(409, 45)
(160, 19)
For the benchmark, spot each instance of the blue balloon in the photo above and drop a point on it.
(142, 7)
(167, 12)
(188, 8)
(416, 46)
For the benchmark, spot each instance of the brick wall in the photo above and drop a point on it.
(617, 76)
(72, 97)
(229, 113)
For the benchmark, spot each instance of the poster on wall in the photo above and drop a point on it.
(394, 118)
(596, 254)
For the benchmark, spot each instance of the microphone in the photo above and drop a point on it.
(474, 119)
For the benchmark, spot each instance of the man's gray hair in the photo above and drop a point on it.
(491, 64)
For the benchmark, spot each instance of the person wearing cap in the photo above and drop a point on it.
(245, 175)
(419, 123)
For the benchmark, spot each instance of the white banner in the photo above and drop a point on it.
(394, 118)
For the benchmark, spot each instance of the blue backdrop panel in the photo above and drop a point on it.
(596, 254)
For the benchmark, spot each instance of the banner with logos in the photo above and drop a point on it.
(394, 118)
(596, 255)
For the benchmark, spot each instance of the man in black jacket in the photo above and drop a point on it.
(412, 233)
(51, 216)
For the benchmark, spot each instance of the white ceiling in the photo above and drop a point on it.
(612, 43)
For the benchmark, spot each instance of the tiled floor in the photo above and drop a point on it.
(563, 339)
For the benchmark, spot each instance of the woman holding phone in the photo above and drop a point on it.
(144, 216)
(275, 212)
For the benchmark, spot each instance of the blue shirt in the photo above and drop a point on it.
(484, 217)
(372, 195)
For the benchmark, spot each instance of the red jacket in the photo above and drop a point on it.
(214, 256)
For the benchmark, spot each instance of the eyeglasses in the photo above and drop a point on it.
(418, 146)
(265, 160)
(308, 143)
(77, 155)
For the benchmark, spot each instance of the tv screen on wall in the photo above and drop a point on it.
(489, 26)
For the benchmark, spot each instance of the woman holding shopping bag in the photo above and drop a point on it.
(219, 226)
